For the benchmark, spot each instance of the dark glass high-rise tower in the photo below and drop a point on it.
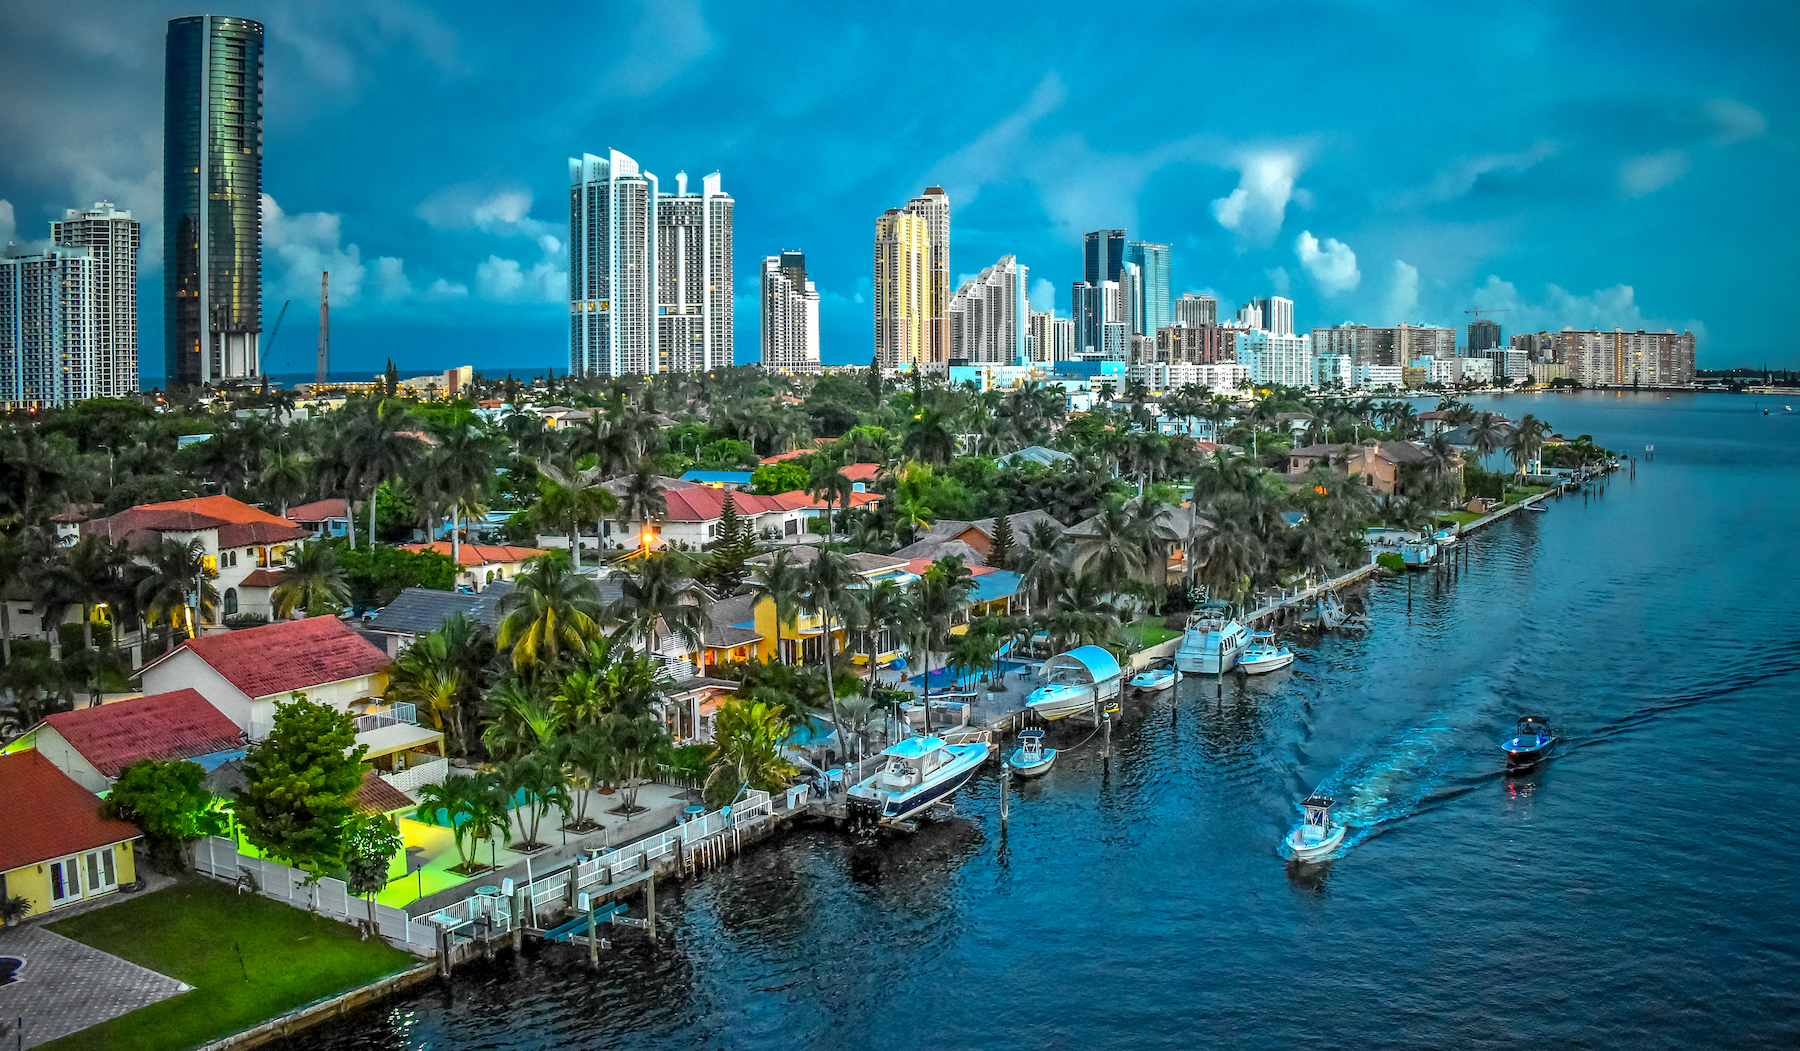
(1103, 256)
(212, 198)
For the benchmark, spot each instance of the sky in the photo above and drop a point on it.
(1580, 164)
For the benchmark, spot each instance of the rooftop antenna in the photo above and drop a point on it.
(324, 327)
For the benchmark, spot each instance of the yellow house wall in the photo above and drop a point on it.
(765, 626)
(33, 881)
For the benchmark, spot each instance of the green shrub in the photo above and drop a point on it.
(1391, 562)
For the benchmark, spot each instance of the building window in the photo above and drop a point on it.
(231, 605)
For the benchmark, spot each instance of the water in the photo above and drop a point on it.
(1638, 891)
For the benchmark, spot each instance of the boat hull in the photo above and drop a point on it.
(1198, 661)
(1526, 756)
(1036, 769)
(1266, 665)
(1152, 684)
(1307, 848)
(1062, 704)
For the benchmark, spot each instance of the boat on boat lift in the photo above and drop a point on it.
(1212, 642)
(1155, 678)
(1316, 836)
(915, 774)
(1530, 743)
(1031, 758)
(1263, 655)
(1075, 682)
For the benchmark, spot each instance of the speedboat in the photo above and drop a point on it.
(1155, 678)
(1031, 758)
(1075, 682)
(1212, 642)
(915, 774)
(1316, 836)
(1263, 655)
(1530, 743)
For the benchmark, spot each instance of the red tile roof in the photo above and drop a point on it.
(375, 796)
(47, 815)
(705, 504)
(920, 565)
(239, 524)
(320, 510)
(479, 554)
(860, 472)
(177, 725)
(285, 656)
(263, 578)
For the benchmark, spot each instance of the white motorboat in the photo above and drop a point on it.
(1074, 682)
(1155, 678)
(1031, 758)
(1212, 642)
(915, 774)
(1263, 655)
(1316, 836)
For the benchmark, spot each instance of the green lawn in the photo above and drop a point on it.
(1145, 632)
(195, 931)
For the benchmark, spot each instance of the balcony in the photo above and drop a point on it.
(394, 731)
(392, 715)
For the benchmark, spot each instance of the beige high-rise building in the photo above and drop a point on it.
(111, 236)
(934, 207)
(902, 290)
(790, 315)
(1626, 359)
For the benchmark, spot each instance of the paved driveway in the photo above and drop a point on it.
(65, 986)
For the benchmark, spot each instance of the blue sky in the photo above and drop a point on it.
(1573, 164)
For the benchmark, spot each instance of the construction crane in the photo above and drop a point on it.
(273, 332)
(1478, 313)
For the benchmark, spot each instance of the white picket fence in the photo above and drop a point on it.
(219, 858)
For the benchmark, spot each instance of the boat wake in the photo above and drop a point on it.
(1390, 779)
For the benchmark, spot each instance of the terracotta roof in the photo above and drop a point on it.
(177, 725)
(47, 815)
(860, 472)
(375, 796)
(73, 513)
(478, 554)
(239, 524)
(263, 578)
(920, 565)
(285, 656)
(320, 510)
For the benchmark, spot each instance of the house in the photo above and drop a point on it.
(246, 674)
(419, 611)
(979, 534)
(480, 564)
(55, 848)
(1181, 523)
(802, 640)
(1383, 464)
(236, 540)
(93, 745)
(1307, 457)
(693, 514)
(323, 518)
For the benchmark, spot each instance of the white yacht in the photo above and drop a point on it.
(1074, 682)
(1212, 643)
(915, 774)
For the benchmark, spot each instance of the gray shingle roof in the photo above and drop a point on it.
(419, 610)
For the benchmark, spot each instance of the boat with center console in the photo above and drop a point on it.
(1316, 836)
(915, 774)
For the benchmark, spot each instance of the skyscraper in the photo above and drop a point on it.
(1151, 310)
(612, 261)
(1483, 334)
(46, 328)
(1194, 309)
(212, 198)
(1103, 251)
(934, 207)
(693, 277)
(990, 316)
(790, 315)
(1277, 314)
(1093, 308)
(111, 237)
(902, 286)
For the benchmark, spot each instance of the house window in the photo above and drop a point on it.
(231, 605)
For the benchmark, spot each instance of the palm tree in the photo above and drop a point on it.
(1114, 551)
(176, 573)
(829, 580)
(1444, 463)
(783, 582)
(588, 754)
(1526, 443)
(1485, 434)
(551, 610)
(749, 737)
(826, 482)
(461, 467)
(642, 500)
(660, 595)
(313, 583)
(568, 499)
(473, 807)
(928, 437)
(88, 575)
(377, 450)
(541, 779)
(424, 677)
(1040, 564)
(284, 476)
(524, 719)
(1232, 550)
(939, 593)
(15, 558)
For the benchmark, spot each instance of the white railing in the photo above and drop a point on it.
(414, 777)
(395, 715)
(220, 859)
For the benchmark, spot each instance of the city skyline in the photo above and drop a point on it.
(1308, 200)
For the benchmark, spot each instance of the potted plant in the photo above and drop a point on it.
(14, 909)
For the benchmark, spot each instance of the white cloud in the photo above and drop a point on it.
(507, 280)
(1255, 209)
(303, 245)
(1403, 294)
(1043, 294)
(1331, 263)
(442, 289)
(1460, 178)
(1279, 280)
(505, 212)
(1604, 308)
(1651, 171)
(390, 278)
(1733, 121)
